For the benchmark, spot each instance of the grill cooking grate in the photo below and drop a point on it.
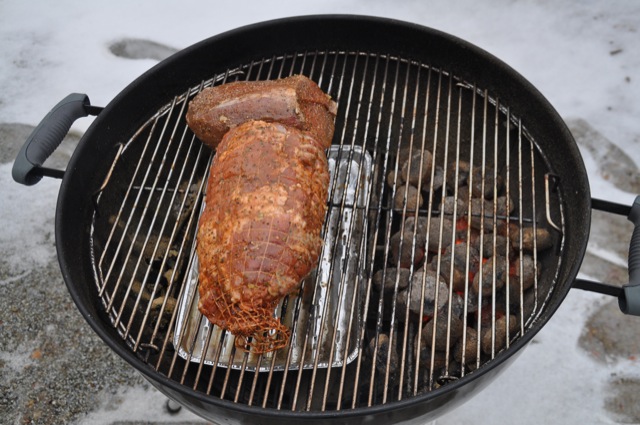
(143, 240)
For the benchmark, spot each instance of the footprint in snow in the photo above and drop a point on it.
(136, 48)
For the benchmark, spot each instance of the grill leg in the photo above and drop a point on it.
(173, 407)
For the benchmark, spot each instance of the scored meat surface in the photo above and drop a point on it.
(260, 232)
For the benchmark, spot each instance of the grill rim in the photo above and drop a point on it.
(394, 407)
(102, 137)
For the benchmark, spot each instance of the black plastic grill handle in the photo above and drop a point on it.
(630, 300)
(628, 295)
(46, 137)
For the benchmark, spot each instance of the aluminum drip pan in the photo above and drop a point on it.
(325, 315)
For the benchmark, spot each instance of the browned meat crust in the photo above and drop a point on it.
(259, 234)
(295, 101)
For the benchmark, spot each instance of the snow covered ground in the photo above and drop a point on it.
(583, 56)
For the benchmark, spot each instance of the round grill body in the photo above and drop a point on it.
(134, 188)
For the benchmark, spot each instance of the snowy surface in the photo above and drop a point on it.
(583, 56)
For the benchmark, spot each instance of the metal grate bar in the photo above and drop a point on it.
(410, 119)
(362, 330)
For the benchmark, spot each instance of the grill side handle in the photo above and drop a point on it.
(630, 303)
(47, 136)
(628, 295)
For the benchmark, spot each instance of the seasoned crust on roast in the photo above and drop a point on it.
(259, 234)
(296, 101)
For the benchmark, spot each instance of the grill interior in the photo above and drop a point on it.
(379, 345)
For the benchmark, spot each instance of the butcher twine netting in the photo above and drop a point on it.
(254, 327)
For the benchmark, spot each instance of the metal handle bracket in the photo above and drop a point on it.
(628, 295)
